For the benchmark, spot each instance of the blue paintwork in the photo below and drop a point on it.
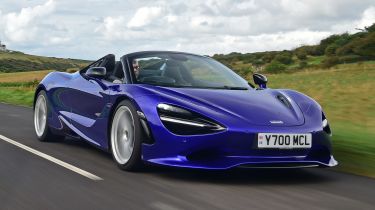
(84, 106)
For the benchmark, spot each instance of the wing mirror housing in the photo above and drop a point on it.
(96, 72)
(260, 80)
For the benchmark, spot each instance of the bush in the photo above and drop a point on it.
(258, 62)
(330, 61)
(308, 50)
(301, 55)
(275, 67)
(268, 57)
(350, 59)
(244, 71)
(302, 64)
(284, 58)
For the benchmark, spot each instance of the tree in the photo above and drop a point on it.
(324, 43)
(370, 28)
(366, 46)
(346, 49)
(331, 50)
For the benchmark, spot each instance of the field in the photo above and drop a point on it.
(346, 92)
(23, 76)
(19, 62)
(18, 88)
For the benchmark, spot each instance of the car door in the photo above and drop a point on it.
(89, 111)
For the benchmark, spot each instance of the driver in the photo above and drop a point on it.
(136, 68)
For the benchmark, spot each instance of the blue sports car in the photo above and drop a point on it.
(183, 110)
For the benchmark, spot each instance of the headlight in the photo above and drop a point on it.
(325, 125)
(184, 122)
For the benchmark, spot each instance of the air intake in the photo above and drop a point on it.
(284, 100)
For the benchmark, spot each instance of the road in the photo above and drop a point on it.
(28, 181)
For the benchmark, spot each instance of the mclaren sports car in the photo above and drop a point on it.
(182, 110)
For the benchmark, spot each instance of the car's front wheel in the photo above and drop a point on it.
(125, 137)
(42, 130)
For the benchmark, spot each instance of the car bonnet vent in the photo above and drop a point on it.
(284, 100)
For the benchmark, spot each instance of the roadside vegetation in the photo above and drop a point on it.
(331, 51)
(17, 61)
(346, 93)
(18, 88)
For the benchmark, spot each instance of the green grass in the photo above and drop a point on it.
(354, 147)
(346, 93)
(315, 60)
(15, 95)
(18, 88)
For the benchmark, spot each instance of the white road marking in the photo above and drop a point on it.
(52, 159)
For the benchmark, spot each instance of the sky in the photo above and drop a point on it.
(90, 29)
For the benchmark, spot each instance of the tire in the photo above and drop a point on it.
(41, 110)
(125, 137)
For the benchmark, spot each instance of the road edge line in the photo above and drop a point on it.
(52, 159)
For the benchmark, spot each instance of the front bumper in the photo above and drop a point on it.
(233, 148)
(244, 162)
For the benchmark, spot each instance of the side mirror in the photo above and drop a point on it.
(96, 72)
(260, 80)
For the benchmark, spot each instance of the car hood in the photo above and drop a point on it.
(258, 107)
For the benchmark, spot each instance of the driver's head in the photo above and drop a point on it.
(136, 68)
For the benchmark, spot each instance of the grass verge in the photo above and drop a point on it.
(16, 95)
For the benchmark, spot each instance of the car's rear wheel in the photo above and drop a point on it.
(42, 129)
(125, 137)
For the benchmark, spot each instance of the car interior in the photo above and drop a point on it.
(170, 72)
(165, 72)
(114, 69)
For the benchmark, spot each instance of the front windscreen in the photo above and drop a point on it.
(184, 70)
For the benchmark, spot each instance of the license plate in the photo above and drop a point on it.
(284, 141)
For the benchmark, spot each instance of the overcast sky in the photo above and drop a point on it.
(90, 29)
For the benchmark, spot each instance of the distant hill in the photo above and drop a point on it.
(13, 61)
(333, 50)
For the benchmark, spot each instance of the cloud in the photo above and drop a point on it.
(112, 28)
(83, 29)
(144, 16)
(58, 40)
(23, 26)
(368, 17)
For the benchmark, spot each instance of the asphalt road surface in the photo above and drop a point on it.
(29, 181)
